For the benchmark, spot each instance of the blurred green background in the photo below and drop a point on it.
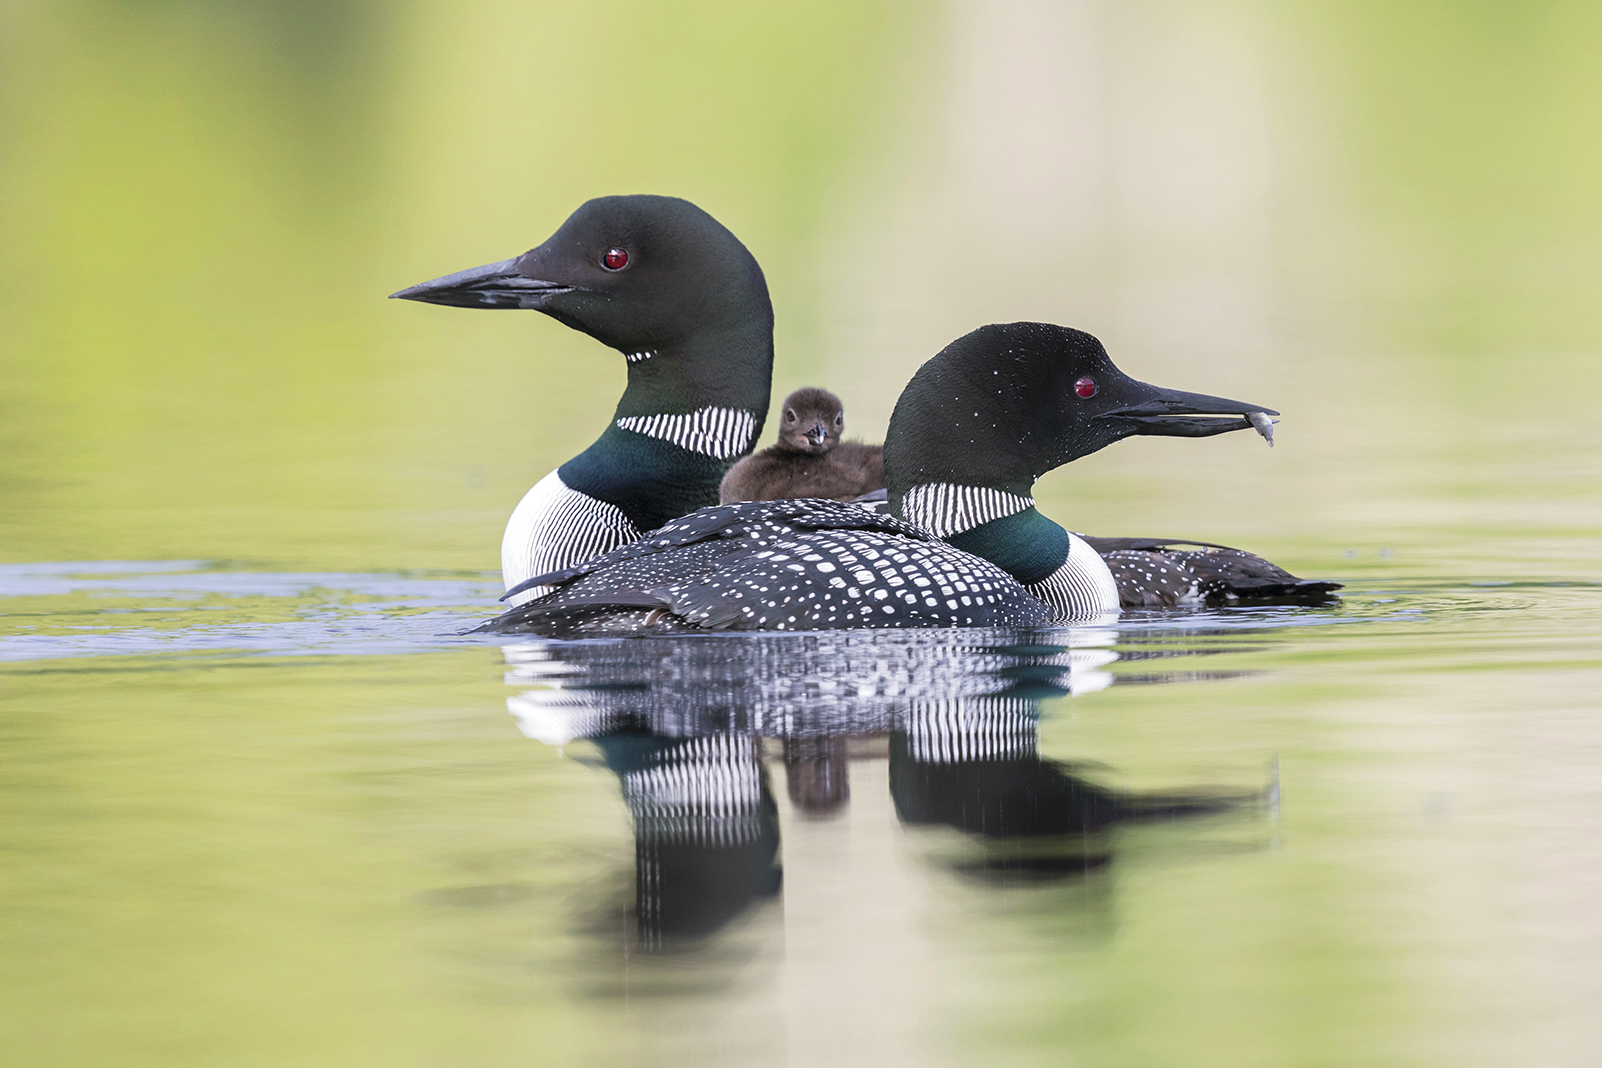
(1382, 219)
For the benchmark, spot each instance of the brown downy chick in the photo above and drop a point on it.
(809, 460)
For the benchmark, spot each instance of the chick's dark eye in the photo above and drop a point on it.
(838, 420)
(1085, 387)
(789, 415)
(615, 259)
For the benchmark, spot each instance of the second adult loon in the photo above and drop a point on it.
(972, 431)
(667, 285)
(977, 494)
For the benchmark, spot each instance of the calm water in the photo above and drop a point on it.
(285, 818)
(260, 804)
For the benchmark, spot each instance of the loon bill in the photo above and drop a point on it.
(964, 545)
(668, 286)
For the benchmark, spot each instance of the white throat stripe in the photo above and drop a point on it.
(944, 509)
(721, 432)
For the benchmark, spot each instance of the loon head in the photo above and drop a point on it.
(1003, 405)
(812, 422)
(638, 273)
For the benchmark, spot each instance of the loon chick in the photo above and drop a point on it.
(972, 431)
(809, 460)
(667, 285)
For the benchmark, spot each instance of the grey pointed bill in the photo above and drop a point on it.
(494, 285)
(1174, 413)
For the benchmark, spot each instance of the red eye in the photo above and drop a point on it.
(615, 259)
(1085, 387)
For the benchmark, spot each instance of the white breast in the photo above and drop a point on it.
(554, 527)
(1082, 590)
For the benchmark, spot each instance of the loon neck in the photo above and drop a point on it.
(1000, 524)
(716, 367)
(689, 411)
(1026, 545)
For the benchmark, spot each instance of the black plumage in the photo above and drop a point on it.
(803, 564)
(1155, 573)
(809, 459)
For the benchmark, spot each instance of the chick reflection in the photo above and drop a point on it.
(817, 775)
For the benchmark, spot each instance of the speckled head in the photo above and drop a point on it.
(1003, 405)
(812, 421)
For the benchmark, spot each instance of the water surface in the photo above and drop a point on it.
(271, 817)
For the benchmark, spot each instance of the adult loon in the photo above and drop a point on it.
(672, 289)
(965, 545)
(809, 459)
(977, 494)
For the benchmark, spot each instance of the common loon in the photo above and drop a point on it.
(672, 289)
(945, 497)
(809, 459)
(965, 545)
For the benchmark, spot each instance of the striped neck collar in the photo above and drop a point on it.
(723, 433)
(944, 508)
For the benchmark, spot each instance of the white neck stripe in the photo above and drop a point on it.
(721, 432)
(944, 509)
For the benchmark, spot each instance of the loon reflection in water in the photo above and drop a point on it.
(686, 723)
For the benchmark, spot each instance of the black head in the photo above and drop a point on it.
(812, 421)
(1005, 404)
(638, 273)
